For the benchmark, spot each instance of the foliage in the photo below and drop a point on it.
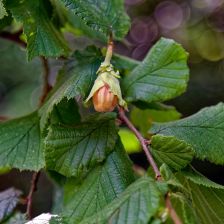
(197, 129)
(21, 144)
(84, 151)
(8, 201)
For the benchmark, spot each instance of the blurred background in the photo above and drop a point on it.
(197, 24)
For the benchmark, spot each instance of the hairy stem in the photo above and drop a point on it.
(33, 188)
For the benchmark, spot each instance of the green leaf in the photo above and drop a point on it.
(137, 204)
(76, 79)
(5, 170)
(170, 178)
(8, 201)
(22, 90)
(129, 140)
(6, 21)
(207, 198)
(122, 62)
(21, 145)
(184, 209)
(3, 12)
(99, 17)
(196, 177)
(17, 218)
(179, 196)
(43, 38)
(177, 154)
(100, 187)
(203, 130)
(47, 218)
(143, 118)
(66, 112)
(72, 151)
(57, 220)
(162, 75)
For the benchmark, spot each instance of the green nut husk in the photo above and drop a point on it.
(107, 75)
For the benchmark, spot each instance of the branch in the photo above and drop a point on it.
(142, 141)
(29, 198)
(46, 86)
(145, 145)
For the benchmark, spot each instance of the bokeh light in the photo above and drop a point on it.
(169, 15)
(210, 45)
(206, 5)
(144, 30)
(140, 51)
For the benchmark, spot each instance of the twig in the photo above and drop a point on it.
(33, 188)
(145, 145)
(46, 86)
(142, 141)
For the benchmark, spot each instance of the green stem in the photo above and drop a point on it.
(109, 53)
